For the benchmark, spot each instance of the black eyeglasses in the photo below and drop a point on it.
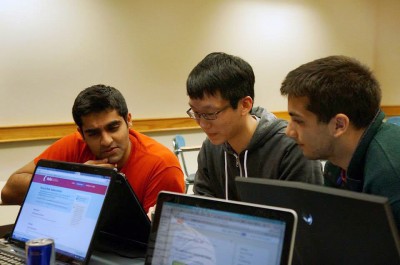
(207, 116)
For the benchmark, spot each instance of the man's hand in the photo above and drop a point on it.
(151, 212)
(101, 163)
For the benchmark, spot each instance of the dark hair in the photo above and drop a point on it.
(336, 84)
(220, 72)
(96, 99)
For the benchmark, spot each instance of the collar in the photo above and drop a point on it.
(355, 170)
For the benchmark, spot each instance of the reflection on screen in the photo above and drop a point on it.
(194, 235)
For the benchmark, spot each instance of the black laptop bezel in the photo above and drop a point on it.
(286, 215)
(75, 167)
(355, 242)
(124, 227)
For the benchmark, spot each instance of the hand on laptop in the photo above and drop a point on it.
(101, 163)
(151, 212)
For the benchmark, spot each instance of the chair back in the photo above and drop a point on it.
(394, 120)
(179, 144)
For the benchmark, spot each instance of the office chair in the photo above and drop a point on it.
(394, 120)
(179, 145)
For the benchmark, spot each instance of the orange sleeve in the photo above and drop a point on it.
(151, 168)
(70, 148)
(169, 179)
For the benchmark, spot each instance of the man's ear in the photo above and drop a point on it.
(129, 119)
(247, 105)
(339, 124)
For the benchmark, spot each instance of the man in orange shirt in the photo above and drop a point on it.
(104, 138)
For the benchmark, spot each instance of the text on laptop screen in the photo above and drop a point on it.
(62, 205)
(195, 235)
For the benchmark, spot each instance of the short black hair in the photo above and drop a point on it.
(96, 99)
(220, 72)
(333, 85)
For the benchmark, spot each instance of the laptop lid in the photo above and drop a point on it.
(63, 202)
(200, 230)
(125, 228)
(335, 226)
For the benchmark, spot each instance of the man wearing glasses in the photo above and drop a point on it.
(241, 140)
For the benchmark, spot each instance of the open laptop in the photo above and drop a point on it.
(63, 202)
(125, 229)
(335, 226)
(189, 229)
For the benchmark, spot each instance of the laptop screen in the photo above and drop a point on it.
(199, 234)
(63, 205)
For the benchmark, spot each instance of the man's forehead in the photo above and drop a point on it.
(297, 106)
(207, 101)
(101, 119)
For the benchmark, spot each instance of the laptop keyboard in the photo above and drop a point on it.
(6, 259)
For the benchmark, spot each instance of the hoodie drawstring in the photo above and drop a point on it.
(226, 170)
(226, 176)
(245, 163)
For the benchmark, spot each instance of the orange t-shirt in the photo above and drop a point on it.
(151, 167)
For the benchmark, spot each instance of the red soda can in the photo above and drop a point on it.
(40, 252)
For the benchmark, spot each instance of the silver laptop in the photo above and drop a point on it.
(63, 202)
(199, 230)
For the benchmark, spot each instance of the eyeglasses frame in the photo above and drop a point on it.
(192, 114)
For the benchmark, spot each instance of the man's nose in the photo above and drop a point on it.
(203, 123)
(106, 139)
(290, 130)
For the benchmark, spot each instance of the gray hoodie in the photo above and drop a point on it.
(270, 154)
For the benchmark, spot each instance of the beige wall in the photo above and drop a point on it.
(387, 56)
(50, 50)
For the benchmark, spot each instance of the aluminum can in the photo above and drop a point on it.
(40, 252)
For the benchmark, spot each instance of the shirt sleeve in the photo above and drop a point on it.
(168, 179)
(203, 185)
(64, 149)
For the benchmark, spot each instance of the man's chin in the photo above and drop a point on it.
(304, 151)
(216, 141)
(112, 159)
(311, 156)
